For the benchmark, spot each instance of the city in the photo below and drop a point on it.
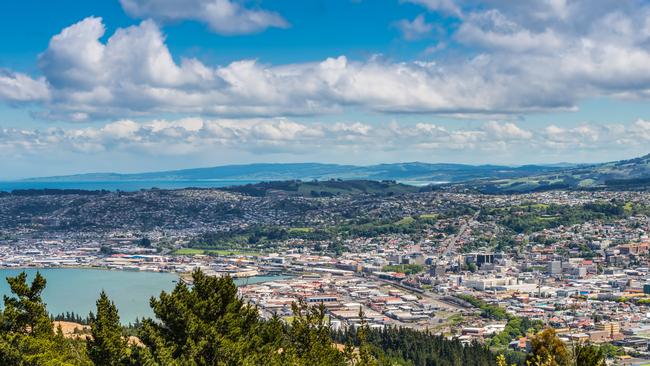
(453, 263)
(325, 183)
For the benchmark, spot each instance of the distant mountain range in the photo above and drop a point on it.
(408, 172)
(624, 174)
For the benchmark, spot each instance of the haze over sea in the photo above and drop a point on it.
(126, 186)
(77, 289)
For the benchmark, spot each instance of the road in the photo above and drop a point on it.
(449, 244)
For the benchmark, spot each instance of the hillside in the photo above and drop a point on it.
(325, 188)
(412, 172)
(624, 174)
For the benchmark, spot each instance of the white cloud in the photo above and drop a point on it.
(547, 55)
(192, 135)
(506, 131)
(493, 30)
(267, 139)
(447, 6)
(133, 73)
(226, 17)
(17, 87)
(416, 29)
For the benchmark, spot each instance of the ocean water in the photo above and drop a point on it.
(77, 290)
(126, 186)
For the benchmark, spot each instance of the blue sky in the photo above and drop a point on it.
(141, 85)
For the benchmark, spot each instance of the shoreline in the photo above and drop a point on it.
(180, 275)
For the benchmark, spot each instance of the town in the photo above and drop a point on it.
(466, 265)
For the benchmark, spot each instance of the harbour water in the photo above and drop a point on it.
(76, 290)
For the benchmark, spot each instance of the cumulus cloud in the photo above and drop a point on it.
(506, 131)
(416, 29)
(17, 87)
(227, 17)
(524, 57)
(133, 73)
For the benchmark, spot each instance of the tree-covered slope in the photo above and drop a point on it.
(624, 174)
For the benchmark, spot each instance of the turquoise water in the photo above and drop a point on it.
(126, 186)
(77, 290)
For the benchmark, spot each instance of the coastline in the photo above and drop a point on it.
(181, 275)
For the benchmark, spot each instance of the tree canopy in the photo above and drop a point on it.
(208, 324)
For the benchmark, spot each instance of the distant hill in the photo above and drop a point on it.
(416, 172)
(617, 175)
(326, 188)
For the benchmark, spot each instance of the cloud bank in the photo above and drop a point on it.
(184, 137)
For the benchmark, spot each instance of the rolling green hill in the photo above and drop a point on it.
(325, 188)
(617, 175)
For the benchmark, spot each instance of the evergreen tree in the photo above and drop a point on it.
(405, 346)
(365, 356)
(106, 346)
(309, 338)
(207, 324)
(26, 334)
(25, 312)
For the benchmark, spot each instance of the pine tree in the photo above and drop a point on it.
(26, 312)
(106, 346)
(207, 324)
(26, 336)
(309, 338)
(365, 355)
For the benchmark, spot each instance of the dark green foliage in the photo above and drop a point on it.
(106, 250)
(308, 338)
(26, 313)
(589, 355)
(325, 188)
(517, 327)
(408, 269)
(487, 311)
(26, 336)
(207, 324)
(107, 346)
(531, 218)
(145, 242)
(71, 317)
(405, 346)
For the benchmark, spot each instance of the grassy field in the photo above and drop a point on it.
(628, 207)
(429, 216)
(408, 220)
(301, 230)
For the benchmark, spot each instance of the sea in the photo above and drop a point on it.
(125, 186)
(77, 289)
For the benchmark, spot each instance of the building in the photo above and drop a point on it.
(554, 268)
